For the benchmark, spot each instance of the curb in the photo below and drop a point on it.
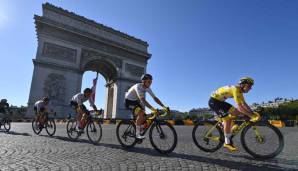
(187, 122)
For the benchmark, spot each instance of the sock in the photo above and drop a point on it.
(142, 128)
(138, 130)
(227, 138)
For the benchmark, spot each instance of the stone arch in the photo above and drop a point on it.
(104, 67)
(69, 45)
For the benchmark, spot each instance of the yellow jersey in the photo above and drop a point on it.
(226, 92)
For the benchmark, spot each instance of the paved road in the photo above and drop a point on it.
(22, 150)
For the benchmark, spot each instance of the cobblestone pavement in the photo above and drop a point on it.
(22, 150)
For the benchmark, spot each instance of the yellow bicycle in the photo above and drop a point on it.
(260, 139)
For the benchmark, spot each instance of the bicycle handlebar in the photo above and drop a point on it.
(158, 114)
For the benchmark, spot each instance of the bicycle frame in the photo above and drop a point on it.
(153, 120)
(234, 133)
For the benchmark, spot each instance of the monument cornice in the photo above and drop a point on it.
(92, 23)
(41, 21)
(56, 66)
(128, 79)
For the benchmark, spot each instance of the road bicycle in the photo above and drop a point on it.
(93, 128)
(260, 139)
(5, 121)
(162, 134)
(48, 124)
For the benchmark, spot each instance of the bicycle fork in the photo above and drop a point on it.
(259, 137)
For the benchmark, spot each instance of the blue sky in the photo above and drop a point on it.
(196, 46)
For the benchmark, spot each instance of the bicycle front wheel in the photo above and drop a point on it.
(6, 125)
(126, 133)
(36, 127)
(262, 140)
(94, 131)
(51, 127)
(163, 137)
(208, 136)
(71, 129)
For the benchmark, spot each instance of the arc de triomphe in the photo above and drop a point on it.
(69, 45)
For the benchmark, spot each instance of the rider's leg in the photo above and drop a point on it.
(79, 117)
(38, 117)
(83, 121)
(228, 128)
(140, 120)
(42, 118)
(84, 117)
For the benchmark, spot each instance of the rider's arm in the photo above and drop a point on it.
(94, 107)
(146, 103)
(92, 104)
(155, 98)
(244, 108)
(242, 105)
(159, 102)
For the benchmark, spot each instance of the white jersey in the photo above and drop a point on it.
(39, 105)
(136, 92)
(80, 99)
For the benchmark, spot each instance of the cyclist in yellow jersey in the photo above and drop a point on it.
(227, 111)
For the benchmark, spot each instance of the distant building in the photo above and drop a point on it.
(277, 102)
(16, 112)
(199, 112)
(177, 114)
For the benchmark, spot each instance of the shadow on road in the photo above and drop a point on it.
(16, 133)
(242, 165)
(248, 162)
(68, 139)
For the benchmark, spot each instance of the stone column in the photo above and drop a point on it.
(120, 110)
(109, 101)
(57, 83)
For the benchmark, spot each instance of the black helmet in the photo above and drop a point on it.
(3, 100)
(246, 80)
(146, 77)
(87, 90)
(45, 99)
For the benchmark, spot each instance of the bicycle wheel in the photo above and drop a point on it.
(51, 127)
(208, 136)
(71, 129)
(262, 140)
(6, 125)
(36, 127)
(163, 137)
(126, 133)
(94, 131)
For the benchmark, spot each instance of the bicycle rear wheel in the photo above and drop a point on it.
(51, 127)
(163, 137)
(71, 129)
(36, 127)
(126, 133)
(262, 140)
(208, 136)
(94, 131)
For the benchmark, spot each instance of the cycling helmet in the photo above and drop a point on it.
(87, 90)
(146, 77)
(3, 101)
(45, 99)
(246, 80)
